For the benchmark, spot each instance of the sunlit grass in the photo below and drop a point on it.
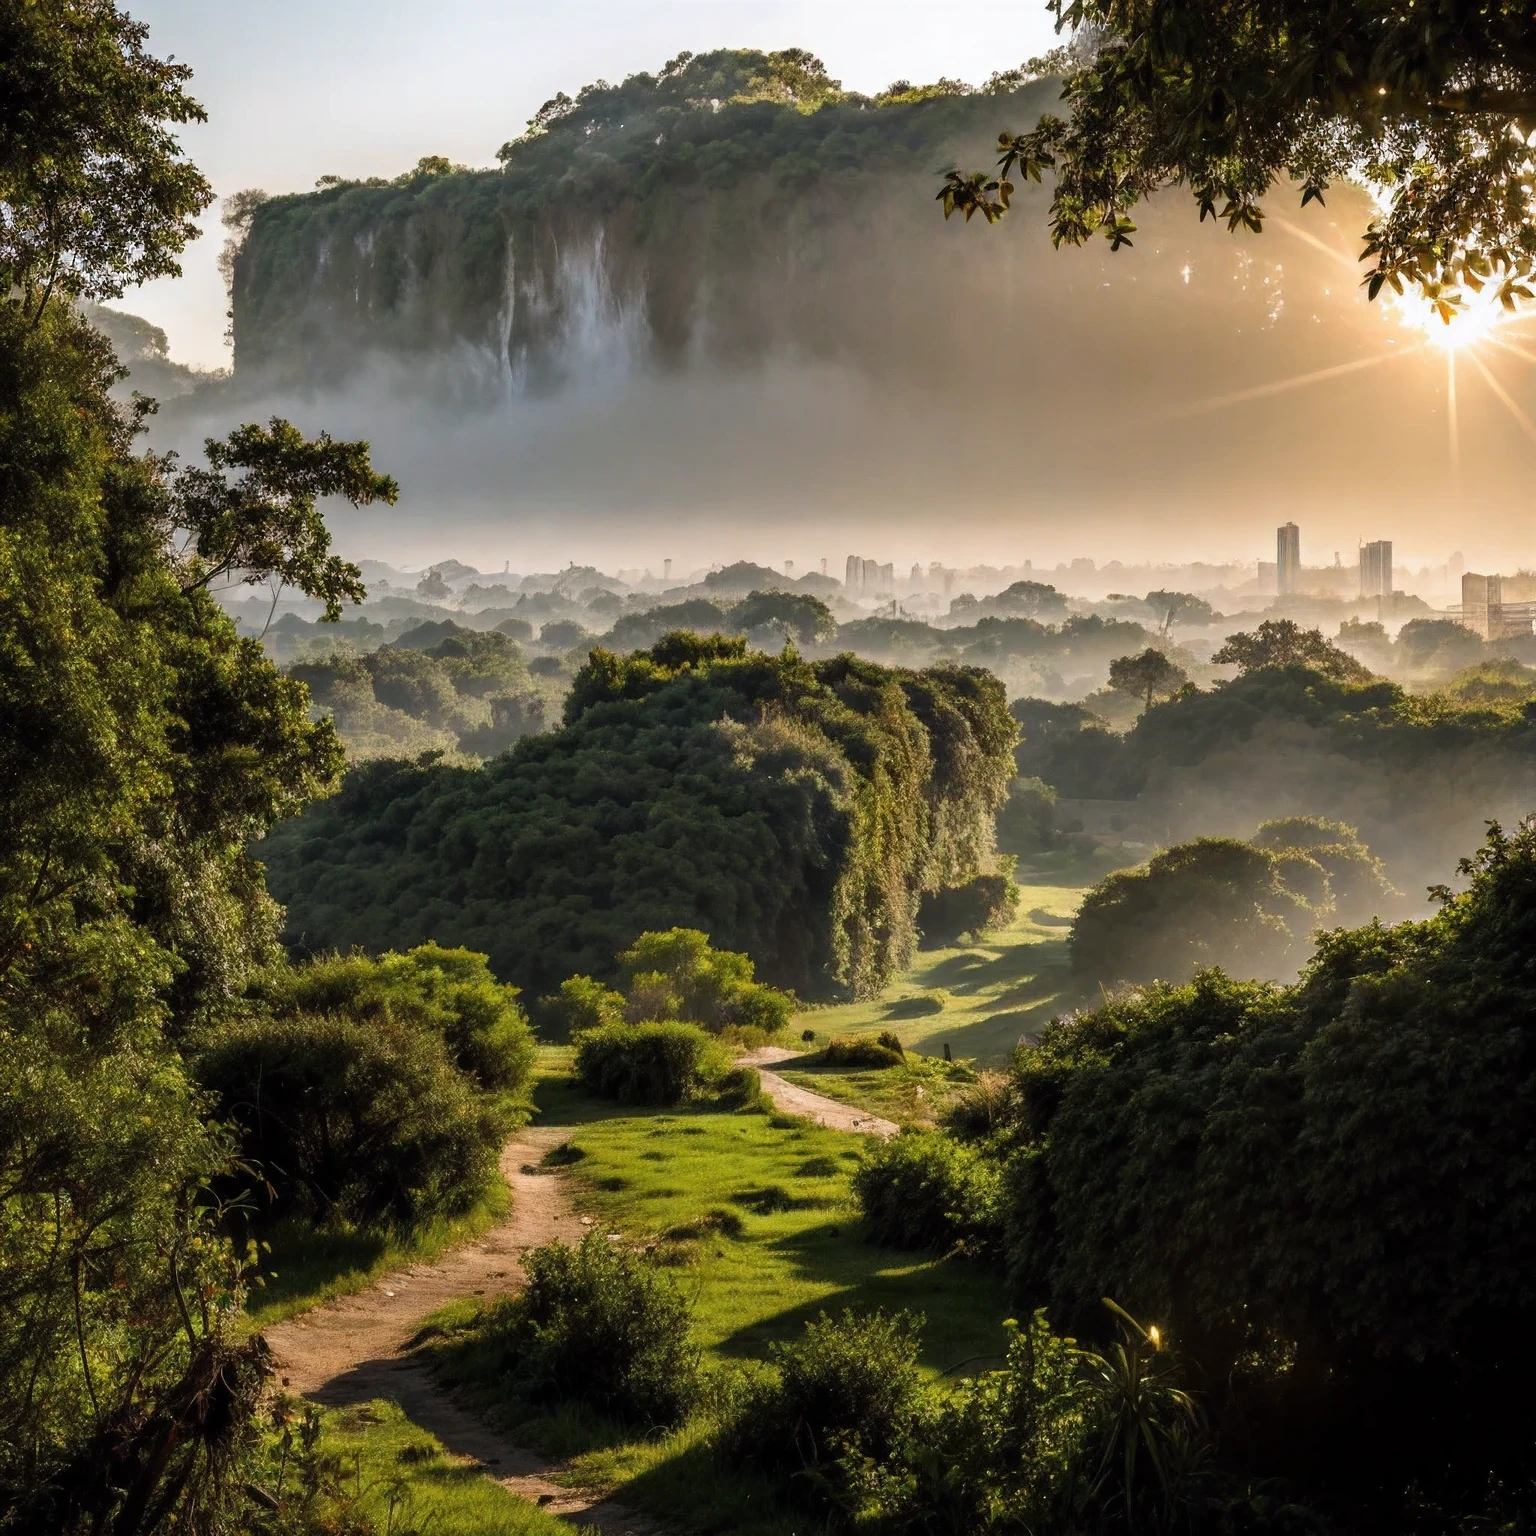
(407, 1480)
(981, 998)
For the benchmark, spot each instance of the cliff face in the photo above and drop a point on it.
(669, 236)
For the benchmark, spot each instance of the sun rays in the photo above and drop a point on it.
(1478, 326)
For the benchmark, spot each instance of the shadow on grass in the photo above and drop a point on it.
(982, 969)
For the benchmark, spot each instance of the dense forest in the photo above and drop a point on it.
(794, 810)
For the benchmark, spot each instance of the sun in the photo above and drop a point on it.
(1474, 316)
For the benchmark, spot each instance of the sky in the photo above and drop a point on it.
(298, 89)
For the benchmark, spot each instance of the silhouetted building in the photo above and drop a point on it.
(1376, 569)
(1287, 559)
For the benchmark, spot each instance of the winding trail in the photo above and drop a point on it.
(795, 1100)
(358, 1348)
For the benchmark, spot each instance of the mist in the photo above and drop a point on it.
(927, 390)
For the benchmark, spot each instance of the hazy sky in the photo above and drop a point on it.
(297, 89)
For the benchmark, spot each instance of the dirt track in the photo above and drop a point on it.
(795, 1100)
(355, 1349)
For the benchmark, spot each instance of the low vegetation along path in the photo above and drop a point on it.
(357, 1348)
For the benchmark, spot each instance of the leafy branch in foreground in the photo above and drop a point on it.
(266, 526)
(1433, 105)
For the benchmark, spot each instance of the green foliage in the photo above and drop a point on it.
(1320, 1187)
(793, 810)
(97, 196)
(1437, 113)
(850, 1388)
(1146, 676)
(657, 1062)
(984, 901)
(1027, 822)
(923, 1189)
(449, 993)
(799, 615)
(265, 526)
(430, 689)
(358, 1120)
(579, 1003)
(598, 1325)
(882, 1050)
(1367, 754)
(678, 974)
(1247, 907)
(1284, 643)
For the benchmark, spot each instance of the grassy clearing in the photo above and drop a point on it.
(307, 1266)
(981, 999)
(405, 1480)
(753, 1215)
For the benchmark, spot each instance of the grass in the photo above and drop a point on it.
(307, 1266)
(981, 998)
(406, 1480)
(752, 1214)
(916, 1093)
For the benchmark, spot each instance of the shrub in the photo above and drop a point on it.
(598, 1325)
(447, 992)
(367, 1121)
(660, 1062)
(981, 1107)
(678, 974)
(851, 1387)
(985, 901)
(580, 1004)
(1027, 823)
(923, 1189)
(882, 1050)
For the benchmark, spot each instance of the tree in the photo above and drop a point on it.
(265, 526)
(1328, 1182)
(1146, 676)
(1433, 106)
(1178, 608)
(801, 616)
(144, 747)
(1284, 643)
(94, 193)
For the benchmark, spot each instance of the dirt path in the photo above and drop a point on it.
(353, 1350)
(795, 1100)
(356, 1348)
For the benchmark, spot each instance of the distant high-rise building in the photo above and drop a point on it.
(1482, 608)
(666, 570)
(1267, 569)
(916, 578)
(1287, 559)
(823, 565)
(789, 567)
(1376, 568)
(853, 578)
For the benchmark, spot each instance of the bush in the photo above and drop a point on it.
(580, 1004)
(678, 974)
(366, 1121)
(449, 993)
(985, 901)
(882, 1050)
(923, 1189)
(851, 1387)
(981, 1107)
(1027, 823)
(598, 1325)
(660, 1062)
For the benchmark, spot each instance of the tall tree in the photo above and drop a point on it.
(1146, 676)
(1432, 103)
